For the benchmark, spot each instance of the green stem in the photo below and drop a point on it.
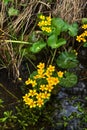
(14, 41)
(54, 54)
(1, 85)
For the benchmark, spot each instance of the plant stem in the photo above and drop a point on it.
(1, 85)
(53, 55)
(14, 41)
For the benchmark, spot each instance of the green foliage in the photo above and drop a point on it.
(68, 80)
(54, 42)
(27, 117)
(84, 20)
(85, 44)
(1, 103)
(8, 120)
(73, 29)
(12, 12)
(53, 38)
(67, 60)
(58, 25)
(6, 1)
(37, 46)
(62, 26)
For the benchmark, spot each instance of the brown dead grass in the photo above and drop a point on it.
(69, 10)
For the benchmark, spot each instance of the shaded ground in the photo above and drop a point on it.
(66, 109)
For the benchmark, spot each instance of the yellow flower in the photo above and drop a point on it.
(46, 95)
(26, 98)
(78, 38)
(42, 17)
(40, 73)
(85, 33)
(42, 87)
(51, 68)
(39, 95)
(33, 83)
(48, 19)
(48, 29)
(52, 80)
(27, 82)
(43, 28)
(32, 103)
(83, 39)
(20, 78)
(41, 65)
(41, 23)
(40, 102)
(60, 74)
(76, 53)
(29, 101)
(48, 73)
(84, 26)
(49, 87)
(45, 23)
(32, 93)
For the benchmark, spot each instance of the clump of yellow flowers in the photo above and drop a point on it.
(82, 37)
(43, 82)
(45, 23)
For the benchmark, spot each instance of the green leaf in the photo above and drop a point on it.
(67, 60)
(12, 12)
(84, 20)
(6, 1)
(54, 42)
(37, 46)
(58, 23)
(61, 42)
(3, 119)
(73, 29)
(69, 80)
(85, 44)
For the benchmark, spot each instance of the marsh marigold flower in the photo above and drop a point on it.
(42, 87)
(42, 17)
(49, 87)
(32, 103)
(41, 65)
(45, 23)
(84, 26)
(27, 82)
(32, 93)
(46, 95)
(60, 74)
(40, 102)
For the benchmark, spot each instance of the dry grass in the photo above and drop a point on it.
(69, 10)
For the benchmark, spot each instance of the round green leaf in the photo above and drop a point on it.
(54, 42)
(69, 80)
(37, 46)
(73, 29)
(67, 60)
